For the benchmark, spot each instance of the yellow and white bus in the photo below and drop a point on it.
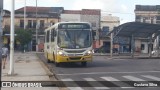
(69, 42)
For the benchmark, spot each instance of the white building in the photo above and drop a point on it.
(110, 21)
(71, 15)
(85, 15)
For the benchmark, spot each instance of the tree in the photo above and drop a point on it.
(23, 36)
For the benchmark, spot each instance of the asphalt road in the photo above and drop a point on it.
(118, 74)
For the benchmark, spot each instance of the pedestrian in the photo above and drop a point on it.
(4, 55)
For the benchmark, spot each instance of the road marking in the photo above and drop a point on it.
(109, 73)
(151, 77)
(72, 88)
(91, 79)
(67, 79)
(109, 79)
(132, 78)
(114, 79)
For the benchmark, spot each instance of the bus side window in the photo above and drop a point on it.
(47, 36)
(52, 35)
(55, 33)
(44, 38)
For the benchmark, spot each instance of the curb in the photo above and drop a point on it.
(47, 69)
(51, 74)
(127, 56)
(135, 58)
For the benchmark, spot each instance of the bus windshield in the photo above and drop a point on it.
(74, 39)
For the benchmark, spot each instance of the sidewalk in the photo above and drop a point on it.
(28, 67)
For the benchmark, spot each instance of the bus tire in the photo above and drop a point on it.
(84, 64)
(53, 58)
(57, 64)
(48, 61)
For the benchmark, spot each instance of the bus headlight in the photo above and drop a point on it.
(88, 53)
(61, 53)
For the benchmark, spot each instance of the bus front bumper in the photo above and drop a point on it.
(74, 58)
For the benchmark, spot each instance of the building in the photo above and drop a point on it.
(40, 17)
(1, 5)
(146, 14)
(85, 15)
(71, 15)
(108, 23)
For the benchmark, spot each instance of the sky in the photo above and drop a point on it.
(124, 9)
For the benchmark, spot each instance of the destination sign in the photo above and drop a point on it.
(74, 26)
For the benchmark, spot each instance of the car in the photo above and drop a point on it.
(154, 52)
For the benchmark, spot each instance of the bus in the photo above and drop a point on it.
(69, 42)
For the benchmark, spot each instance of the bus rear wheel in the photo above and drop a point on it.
(84, 64)
(53, 58)
(48, 61)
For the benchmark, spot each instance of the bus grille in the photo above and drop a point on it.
(75, 58)
(76, 51)
(75, 55)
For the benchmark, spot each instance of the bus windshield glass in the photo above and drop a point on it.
(74, 39)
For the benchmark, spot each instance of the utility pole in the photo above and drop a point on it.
(24, 14)
(1, 40)
(111, 47)
(1, 18)
(11, 71)
(36, 30)
(157, 46)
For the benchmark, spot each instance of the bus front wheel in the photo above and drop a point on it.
(57, 64)
(84, 64)
(53, 58)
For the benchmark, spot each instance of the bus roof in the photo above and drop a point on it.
(49, 28)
